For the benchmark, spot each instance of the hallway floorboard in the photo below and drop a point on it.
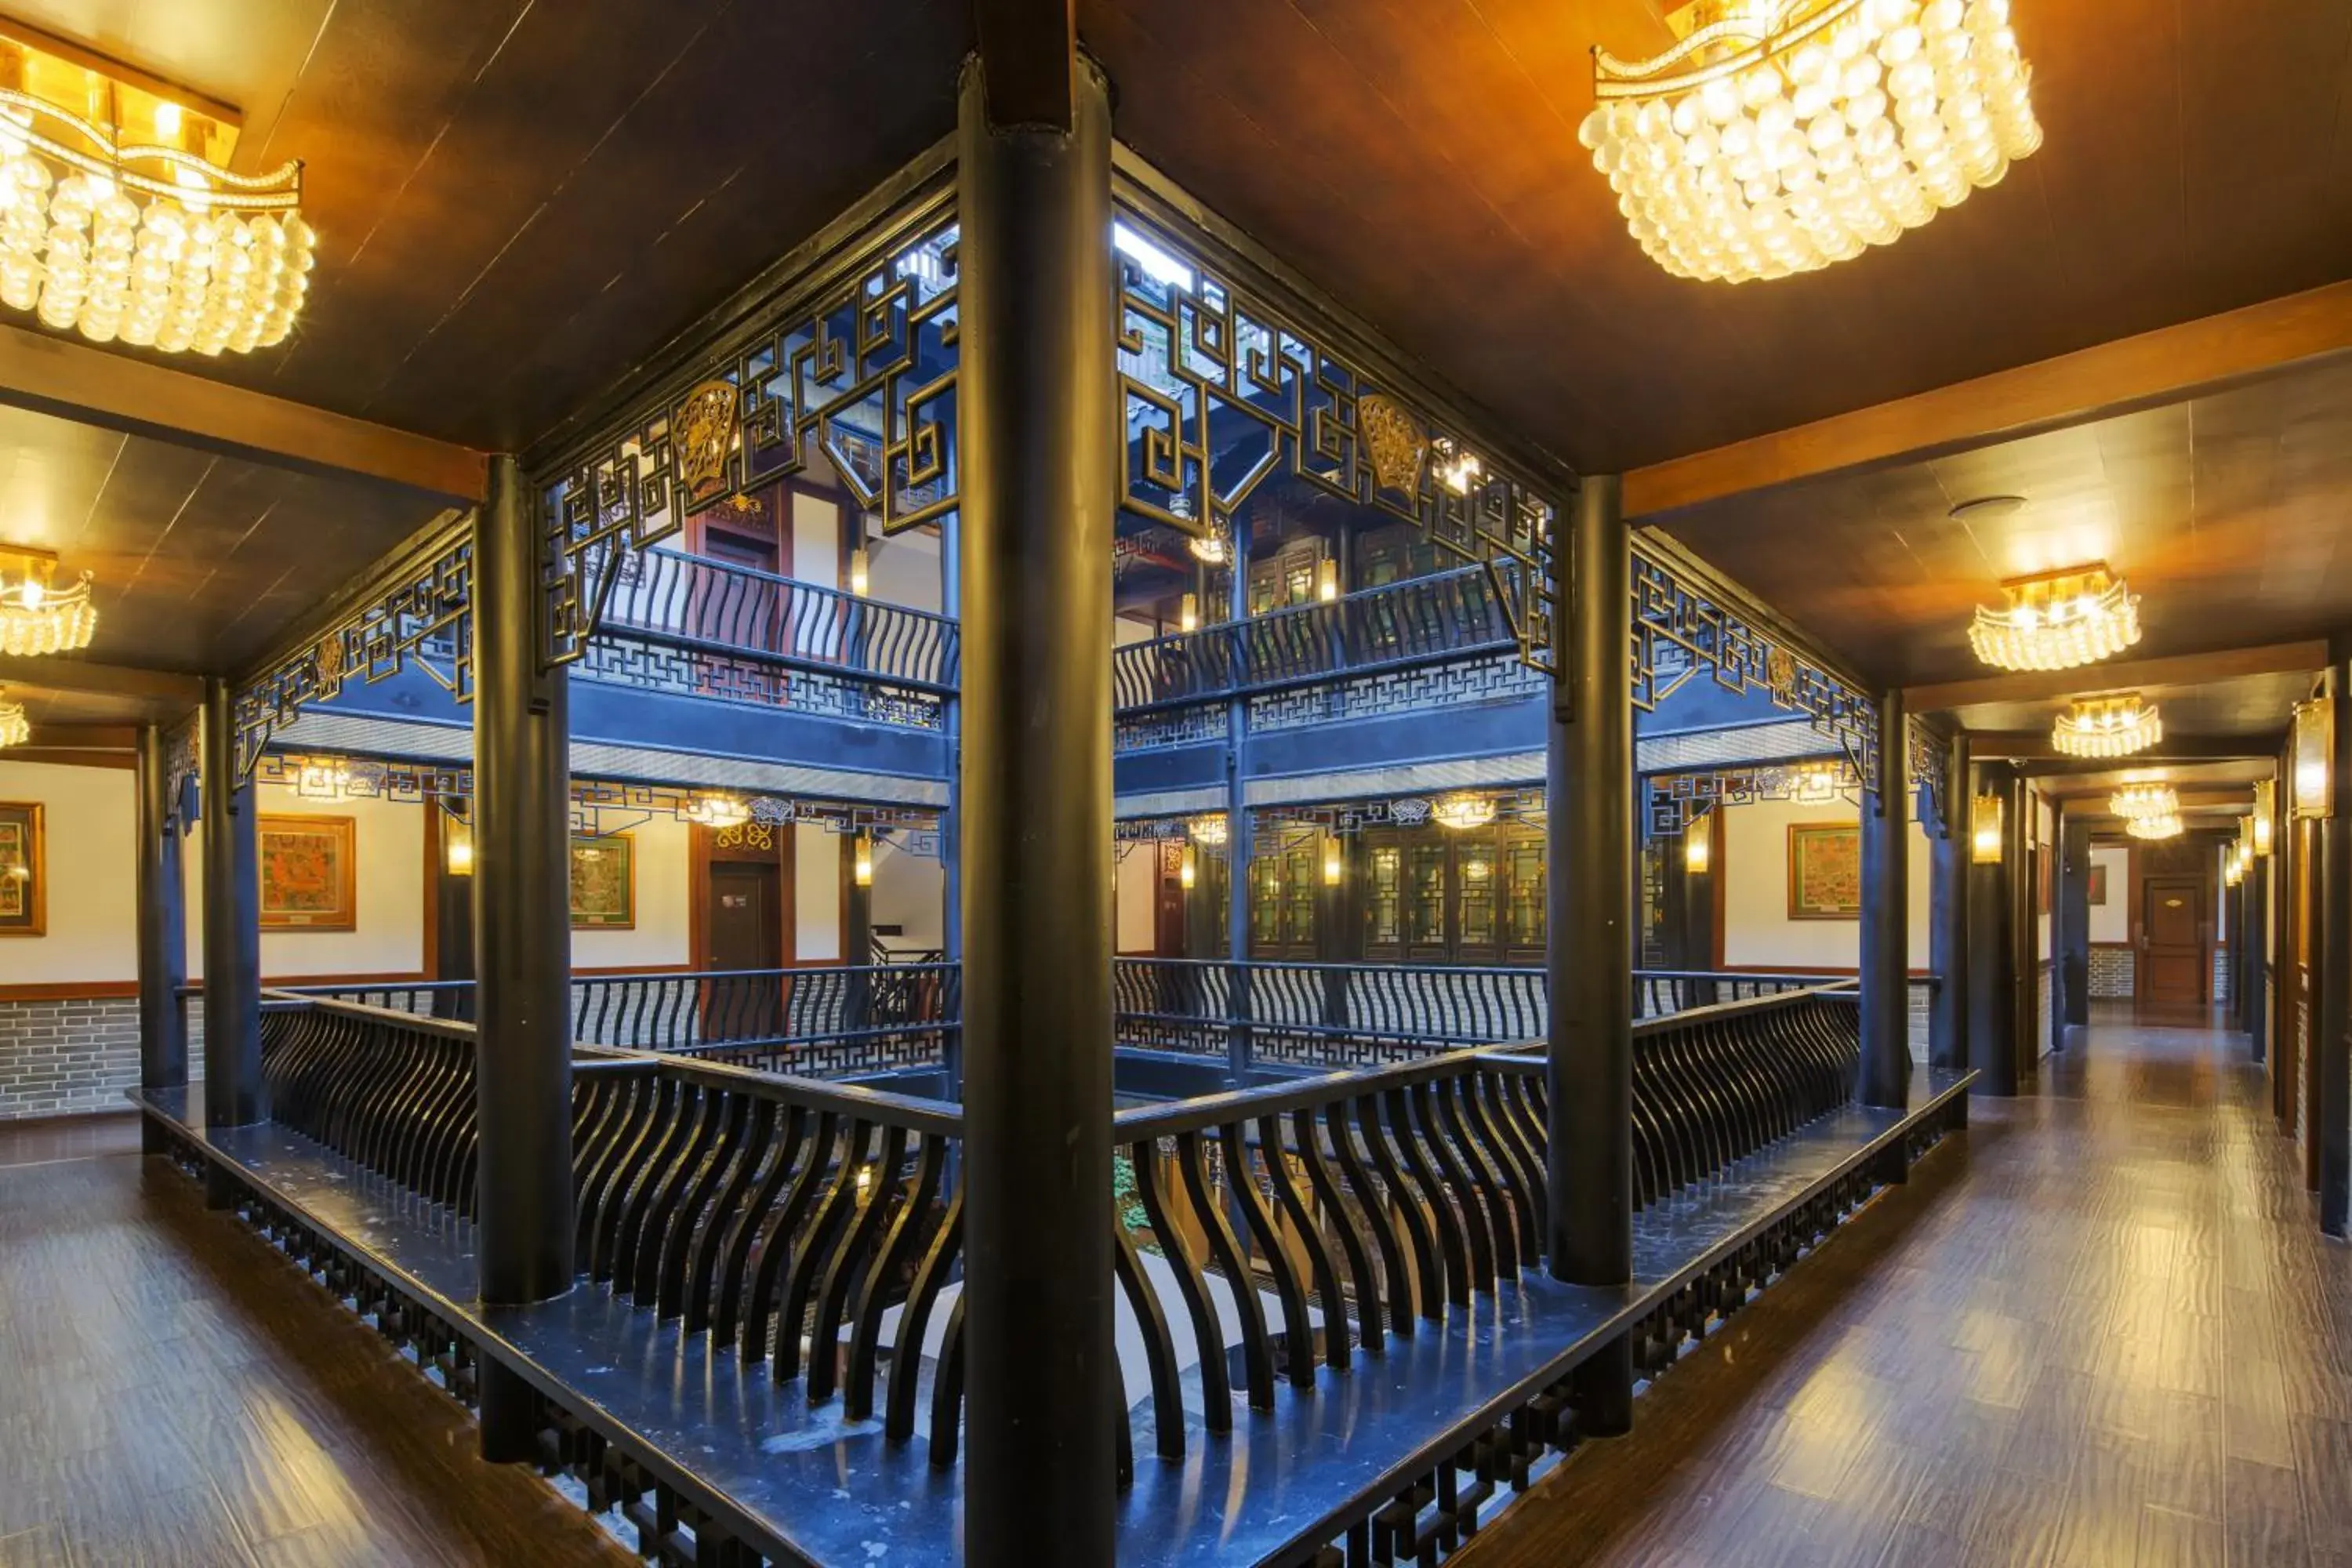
(2105, 1331)
(173, 1392)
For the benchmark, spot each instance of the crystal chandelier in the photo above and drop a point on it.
(1781, 135)
(2135, 801)
(2164, 826)
(119, 218)
(1463, 812)
(35, 616)
(2107, 727)
(15, 728)
(2056, 620)
(1208, 829)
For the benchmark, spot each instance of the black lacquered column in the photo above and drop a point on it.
(2332, 1035)
(1992, 956)
(233, 1094)
(1039, 438)
(163, 924)
(1884, 1077)
(1589, 831)
(1948, 914)
(2074, 922)
(522, 936)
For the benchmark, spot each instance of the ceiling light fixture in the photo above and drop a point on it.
(120, 219)
(2056, 620)
(2164, 826)
(36, 617)
(1462, 812)
(15, 728)
(2135, 801)
(1778, 136)
(2107, 726)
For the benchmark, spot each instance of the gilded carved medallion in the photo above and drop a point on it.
(1395, 441)
(702, 434)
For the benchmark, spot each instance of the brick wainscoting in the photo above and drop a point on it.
(2111, 973)
(58, 1058)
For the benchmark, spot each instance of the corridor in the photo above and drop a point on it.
(2105, 1332)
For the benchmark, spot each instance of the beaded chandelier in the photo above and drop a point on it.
(1464, 811)
(119, 218)
(2135, 801)
(15, 728)
(2107, 727)
(2056, 620)
(2166, 827)
(36, 616)
(1781, 135)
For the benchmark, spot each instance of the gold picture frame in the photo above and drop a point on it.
(309, 869)
(1824, 871)
(24, 869)
(603, 874)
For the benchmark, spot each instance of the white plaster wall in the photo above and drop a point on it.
(664, 889)
(904, 569)
(816, 541)
(816, 893)
(93, 867)
(910, 891)
(2111, 921)
(1756, 930)
(388, 839)
(1136, 899)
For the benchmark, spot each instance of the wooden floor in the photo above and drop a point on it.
(172, 1390)
(2106, 1332)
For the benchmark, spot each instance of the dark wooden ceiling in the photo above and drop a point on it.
(200, 561)
(2226, 513)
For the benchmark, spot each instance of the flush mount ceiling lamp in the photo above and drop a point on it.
(120, 219)
(2135, 801)
(16, 729)
(2107, 727)
(1462, 812)
(1778, 136)
(35, 616)
(2056, 620)
(2163, 826)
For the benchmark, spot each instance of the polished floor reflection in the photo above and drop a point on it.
(172, 1390)
(2106, 1332)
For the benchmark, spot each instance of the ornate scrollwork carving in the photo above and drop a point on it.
(1930, 780)
(1677, 799)
(425, 618)
(1197, 349)
(862, 369)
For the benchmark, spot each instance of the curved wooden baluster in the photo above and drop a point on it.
(1207, 1334)
(1225, 1247)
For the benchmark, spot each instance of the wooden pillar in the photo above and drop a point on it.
(1038, 437)
(1993, 949)
(1885, 1075)
(2074, 923)
(234, 1093)
(162, 923)
(1948, 914)
(2331, 1034)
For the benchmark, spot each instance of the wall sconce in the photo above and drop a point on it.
(2233, 869)
(1984, 831)
(1326, 579)
(861, 869)
(1186, 873)
(857, 577)
(2315, 741)
(1188, 616)
(2265, 815)
(1698, 843)
(457, 847)
(1331, 867)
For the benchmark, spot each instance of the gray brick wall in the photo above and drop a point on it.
(2112, 972)
(1922, 1007)
(58, 1058)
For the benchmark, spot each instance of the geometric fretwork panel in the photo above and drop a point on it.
(1221, 389)
(1492, 678)
(1678, 799)
(615, 658)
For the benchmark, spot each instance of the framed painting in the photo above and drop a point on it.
(309, 875)
(2098, 884)
(1824, 871)
(604, 882)
(23, 870)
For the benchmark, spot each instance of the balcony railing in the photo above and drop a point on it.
(720, 605)
(1417, 621)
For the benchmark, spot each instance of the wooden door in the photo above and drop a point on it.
(743, 925)
(2176, 972)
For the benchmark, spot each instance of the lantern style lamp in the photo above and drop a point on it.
(2313, 743)
(1984, 831)
(2266, 817)
(1331, 867)
(862, 867)
(1698, 845)
(457, 847)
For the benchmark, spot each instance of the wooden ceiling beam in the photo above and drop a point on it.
(2118, 377)
(2131, 674)
(2034, 746)
(116, 392)
(1029, 50)
(48, 673)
